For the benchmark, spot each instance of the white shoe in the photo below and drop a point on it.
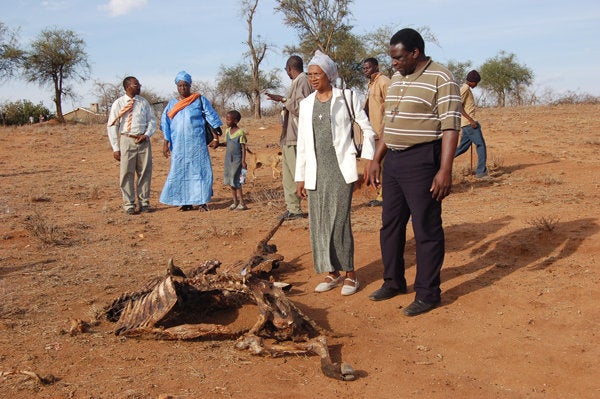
(349, 289)
(329, 283)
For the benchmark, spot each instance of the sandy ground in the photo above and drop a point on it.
(519, 316)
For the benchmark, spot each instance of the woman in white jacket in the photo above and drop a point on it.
(326, 171)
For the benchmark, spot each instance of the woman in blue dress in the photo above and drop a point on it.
(190, 178)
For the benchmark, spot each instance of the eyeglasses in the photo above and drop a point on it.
(315, 75)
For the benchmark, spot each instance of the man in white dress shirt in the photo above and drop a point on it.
(131, 123)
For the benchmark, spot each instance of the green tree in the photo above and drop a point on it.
(236, 81)
(505, 78)
(377, 43)
(10, 53)
(18, 112)
(323, 25)
(55, 57)
(459, 69)
(316, 21)
(349, 54)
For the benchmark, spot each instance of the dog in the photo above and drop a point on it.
(256, 160)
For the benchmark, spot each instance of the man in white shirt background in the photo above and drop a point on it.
(131, 123)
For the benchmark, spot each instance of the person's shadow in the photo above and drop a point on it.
(470, 234)
(492, 260)
(532, 247)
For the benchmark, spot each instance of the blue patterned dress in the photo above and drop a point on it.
(190, 178)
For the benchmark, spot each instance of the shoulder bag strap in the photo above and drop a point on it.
(350, 112)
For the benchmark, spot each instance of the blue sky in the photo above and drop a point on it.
(154, 39)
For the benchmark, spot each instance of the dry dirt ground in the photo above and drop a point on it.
(519, 316)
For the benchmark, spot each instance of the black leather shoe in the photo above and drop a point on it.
(385, 293)
(130, 211)
(292, 216)
(375, 203)
(145, 209)
(418, 307)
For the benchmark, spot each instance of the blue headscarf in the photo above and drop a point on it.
(183, 75)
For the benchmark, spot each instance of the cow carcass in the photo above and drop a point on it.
(180, 306)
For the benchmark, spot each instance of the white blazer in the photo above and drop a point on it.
(306, 160)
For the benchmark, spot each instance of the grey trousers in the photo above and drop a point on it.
(136, 159)
(292, 201)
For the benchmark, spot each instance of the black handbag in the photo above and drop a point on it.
(355, 129)
(209, 131)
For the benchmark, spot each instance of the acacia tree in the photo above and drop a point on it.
(377, 43)
(504, 77)
(56, 56)
(459, 69)
(10, 53)
(237, 81)
(316, 21)
(257, 50)
(322, 25)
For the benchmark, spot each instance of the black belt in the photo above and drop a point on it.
(434, 142)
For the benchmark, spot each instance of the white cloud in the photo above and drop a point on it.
(122, 7)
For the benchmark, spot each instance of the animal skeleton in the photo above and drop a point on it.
(161, 308)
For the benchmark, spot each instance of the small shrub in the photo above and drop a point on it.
(544, 223)
(43, 230)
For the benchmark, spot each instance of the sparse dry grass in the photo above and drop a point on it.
(548, 180)
(43, 197)
(496, 163)
(214, 231)
(265, 195)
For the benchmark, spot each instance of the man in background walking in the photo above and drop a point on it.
(299, 89)
(375, 106)
(470, 128)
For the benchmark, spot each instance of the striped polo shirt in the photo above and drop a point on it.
(420, 106)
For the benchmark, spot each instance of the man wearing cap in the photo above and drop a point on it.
(131, 123)
(470, 128)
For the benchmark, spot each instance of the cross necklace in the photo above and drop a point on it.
(405, 89)
(395, 110)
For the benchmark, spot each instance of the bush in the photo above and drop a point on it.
(18, 112)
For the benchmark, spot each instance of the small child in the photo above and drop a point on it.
(235, 159)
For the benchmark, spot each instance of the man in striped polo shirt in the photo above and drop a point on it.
(422, 120)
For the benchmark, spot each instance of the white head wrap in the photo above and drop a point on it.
(327, 65)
